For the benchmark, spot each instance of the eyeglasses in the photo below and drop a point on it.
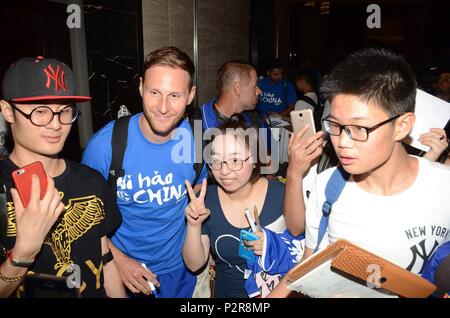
(355, 132)
(234, 164)
(43, 115)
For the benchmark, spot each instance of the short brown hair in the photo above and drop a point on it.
(230, 70)
(173, 57)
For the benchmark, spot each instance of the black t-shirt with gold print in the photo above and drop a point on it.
(89, 214)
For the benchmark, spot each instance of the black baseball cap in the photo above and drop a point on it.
(38, 79)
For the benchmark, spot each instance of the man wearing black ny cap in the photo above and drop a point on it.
(66, 229)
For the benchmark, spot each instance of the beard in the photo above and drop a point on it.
(162, 129)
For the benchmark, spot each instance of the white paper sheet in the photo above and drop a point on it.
(322, 282)
(431, 112)
(276, 121)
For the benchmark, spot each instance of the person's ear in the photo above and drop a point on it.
(237, 88)
(404, 125)
(192, 94)
(7, 111)
(141, 87)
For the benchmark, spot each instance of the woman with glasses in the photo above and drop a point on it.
(216, 217)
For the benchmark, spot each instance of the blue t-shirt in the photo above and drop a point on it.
(224, 239)
(211, 120)
(152, 194)
(432, 265)
(275, 97)
(281, 252)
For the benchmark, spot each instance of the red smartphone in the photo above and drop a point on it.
(22, 181)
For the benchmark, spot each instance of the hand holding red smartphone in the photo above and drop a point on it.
(22, 180)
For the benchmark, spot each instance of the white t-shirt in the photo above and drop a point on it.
(308, 182)
(301, 104)
(405, 228)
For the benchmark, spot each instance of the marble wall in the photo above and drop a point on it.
(223, 33)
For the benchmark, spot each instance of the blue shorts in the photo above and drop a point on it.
(177, 284)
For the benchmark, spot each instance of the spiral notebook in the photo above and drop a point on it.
(346, 270)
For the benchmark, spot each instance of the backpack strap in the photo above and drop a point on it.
(198, 167)
(255, 119)
(194, 115)
(118, 146)
(309, 101)
(333, 190)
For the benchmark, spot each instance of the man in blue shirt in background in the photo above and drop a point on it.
(238, 94)
(278, 94)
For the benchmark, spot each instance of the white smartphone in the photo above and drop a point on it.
(300, 118)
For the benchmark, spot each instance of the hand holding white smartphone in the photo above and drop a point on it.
(301, 118)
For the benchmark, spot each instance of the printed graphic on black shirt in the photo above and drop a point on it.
(79, 216)
(75, 238)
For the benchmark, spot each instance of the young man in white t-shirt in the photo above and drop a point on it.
(394, 205)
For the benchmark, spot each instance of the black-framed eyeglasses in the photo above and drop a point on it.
(234, 164)
(43, 115)
(355, 132)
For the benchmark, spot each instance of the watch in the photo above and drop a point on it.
(19, 262)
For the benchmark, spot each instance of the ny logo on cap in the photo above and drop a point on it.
(55, 77)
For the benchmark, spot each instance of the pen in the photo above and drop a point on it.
(150, 284)
(250, 220)
(258, 223)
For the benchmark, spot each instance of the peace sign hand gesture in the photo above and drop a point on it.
(196, 212)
